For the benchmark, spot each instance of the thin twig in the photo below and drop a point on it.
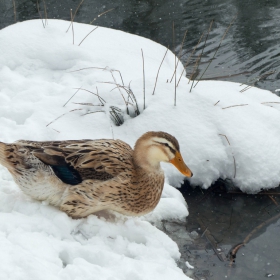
(189, 58)
(234, 162)
(75, 14)
(173, 31)
(15, 11)
(194, 70)
(211, 23)
(246, 88)
(56, 130)
(98, 16)
(273, 200)
(129, 92)
(71, 97)
(119, 90)
(249, 236)
(88, 113)
(72, 25)
(158, 70)
(40, 14)
(88, 104)
(235, 106)
(88, 35)
(270, 102)
(144, 93)
(91, 93)
(216, 49)
(62, 116)
(45, 13)
(100, 68)
(210, 238)
(120, 75)
(226, 76)
(180, 54)
(216, 103)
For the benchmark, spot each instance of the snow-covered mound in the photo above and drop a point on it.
(37, 240)
(41, 68)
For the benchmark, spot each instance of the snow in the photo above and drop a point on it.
(41, 69)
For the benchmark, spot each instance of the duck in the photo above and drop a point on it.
(83, 177)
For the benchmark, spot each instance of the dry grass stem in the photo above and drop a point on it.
(189, 58)
(99, 97)
(246, 88)
(273, 200)
(262, 77)
(159, 69)
(15, 10)
(226, 76)
(132, 98)
(234, 162)
(88, 35)
(235, 106)
(88, 113)
(71, 97)
(119, 86)
(194, 71)
(72, 25)
(270, 102)
(63, 115)
(88, 104)
(216, 103)
(130, 94)
(173, 31)
(209, 29)
(75, 14)
(120, 75)
(180, 54)
(210, 238)
(225, 33)
(40, 15)
(101, 15)
(100, 68)
(144, 92)
(45, 13)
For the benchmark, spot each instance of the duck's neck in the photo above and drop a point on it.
(144, 159)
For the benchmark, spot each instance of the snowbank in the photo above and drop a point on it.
(40, 242)
(39, 73)
(37, 240)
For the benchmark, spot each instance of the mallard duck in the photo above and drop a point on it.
(82, 177)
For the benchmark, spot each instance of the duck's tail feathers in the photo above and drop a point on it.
(2, 154)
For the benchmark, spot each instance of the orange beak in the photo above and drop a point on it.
(178, 162)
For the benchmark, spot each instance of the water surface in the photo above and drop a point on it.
(251, 45)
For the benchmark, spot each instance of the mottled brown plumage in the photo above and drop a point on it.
(82, 177)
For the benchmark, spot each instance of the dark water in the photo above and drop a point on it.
(250, 46)
(218, 220)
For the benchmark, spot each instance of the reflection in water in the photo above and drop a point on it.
(219, 222)
(252, 44)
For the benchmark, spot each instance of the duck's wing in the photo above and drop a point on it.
(75, 161)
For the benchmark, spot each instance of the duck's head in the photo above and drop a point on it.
(154, 147)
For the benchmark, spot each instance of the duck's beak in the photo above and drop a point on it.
(178, 162)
